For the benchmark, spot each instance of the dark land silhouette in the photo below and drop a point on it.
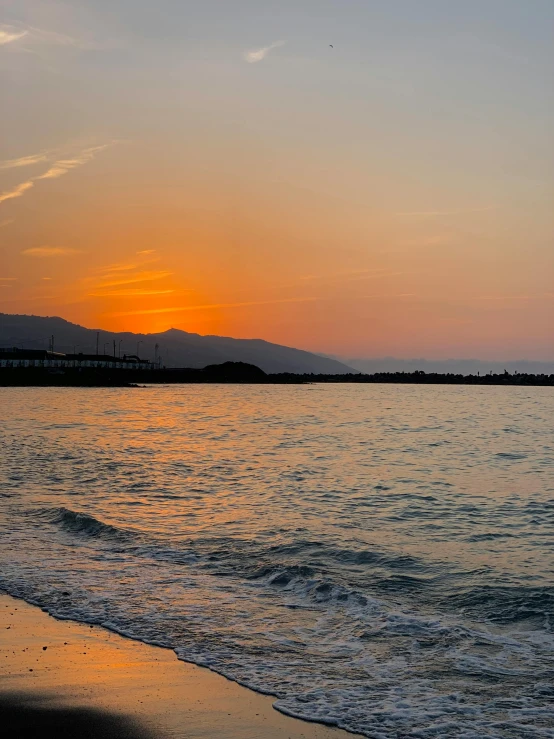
(172, 348)
(240, 373)
(65, 354)
(378, 365)
(423, 378)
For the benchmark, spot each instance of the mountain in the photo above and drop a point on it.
(176, 348)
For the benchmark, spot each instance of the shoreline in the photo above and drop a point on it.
(57, 675)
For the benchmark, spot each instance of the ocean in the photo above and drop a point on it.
(377, 557)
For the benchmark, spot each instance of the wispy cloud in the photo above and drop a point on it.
(258, 55)
(147, 276)
(118, 267)
(26, 161)
(144, 252)
(8, 279)
(58, 168)
(131, 293)
(112, 271)
(50, 251)
(210, 306)
(9, 34)
(36, 38)
(63, 166)
(16, 192)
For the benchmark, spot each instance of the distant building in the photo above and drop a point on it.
(40, 358)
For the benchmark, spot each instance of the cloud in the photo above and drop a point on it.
(6, 222)
(23, 161)
(17, 191)
(40, 37)
(210, 306)
(8, 279)
(63, 166)
(132, 292)
(258, 55)
(8, 34)
(147, 251)
(118, 267)
(58, 169)
(49, 251)
(128, 293)
(110, 271)
(148, 276)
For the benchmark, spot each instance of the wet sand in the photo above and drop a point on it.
(64, 679)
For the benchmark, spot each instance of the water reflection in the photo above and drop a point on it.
(364, 552)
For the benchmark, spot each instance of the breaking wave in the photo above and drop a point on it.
(83, 524)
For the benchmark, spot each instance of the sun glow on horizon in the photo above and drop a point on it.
(366, 188)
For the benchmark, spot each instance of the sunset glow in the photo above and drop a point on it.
(360, 179)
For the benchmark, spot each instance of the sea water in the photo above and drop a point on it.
(377, 557)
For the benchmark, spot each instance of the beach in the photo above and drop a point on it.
(63, 678)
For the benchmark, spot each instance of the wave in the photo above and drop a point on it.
(83, 524)
(286, 620)
(292, 570)
(320, 581)
(379, 671)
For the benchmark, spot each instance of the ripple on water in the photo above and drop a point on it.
(376, 557)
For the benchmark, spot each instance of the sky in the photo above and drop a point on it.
(354, 177)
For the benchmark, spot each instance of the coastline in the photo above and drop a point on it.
(60, 678)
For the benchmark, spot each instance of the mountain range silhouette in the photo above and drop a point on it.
(176, 348)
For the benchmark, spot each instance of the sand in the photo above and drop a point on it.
(65, 679)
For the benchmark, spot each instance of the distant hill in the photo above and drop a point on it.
(177, 348)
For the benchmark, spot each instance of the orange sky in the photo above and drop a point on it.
(389, 196)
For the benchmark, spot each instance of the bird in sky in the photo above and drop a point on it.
(331, 45)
